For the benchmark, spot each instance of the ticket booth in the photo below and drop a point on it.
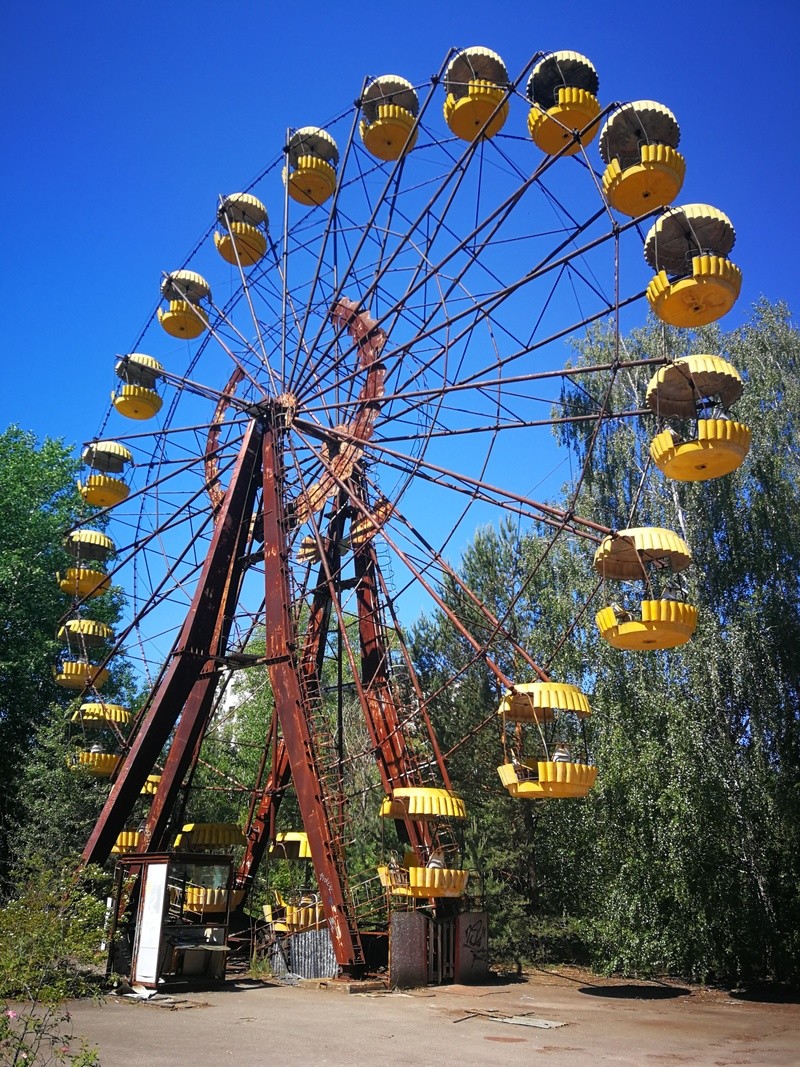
(170, 915)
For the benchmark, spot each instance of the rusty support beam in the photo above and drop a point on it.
(261, 825)
(293, 710)
(189, 658)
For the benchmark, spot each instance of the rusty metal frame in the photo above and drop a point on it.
(191, 676)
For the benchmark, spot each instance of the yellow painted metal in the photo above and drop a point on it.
(390, 134)
(719, 449)
(96, 714)
(138, 369)
(365, 527)
(202, 900)
(705, 296)
(151, 785)
(77, 674)
(308, 552)
(481, 112)
(278, 926)
(291, 845)
(554, 128)
(664, 624)
(103, 491)
(539, 702)
(422, 882)
(242, 207)
(242, 240)
(183, 319)
(209, 835)
(80, 582)
(108, 457)
(312, 182)
(436, 882)
(653, 182)
(309, 914)
(684, 231)
(314, 142)
(418, 802)
(136, 401)
(624, 556)
(87, 632)
(185, 285)
(675, 388)
(126, 842)
(99, 764)
(543, 780)
(89, 545)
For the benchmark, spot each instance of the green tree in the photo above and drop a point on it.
(684, 858)
(699, 747)
(40, 501)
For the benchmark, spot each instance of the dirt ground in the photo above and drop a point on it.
(605, 1021)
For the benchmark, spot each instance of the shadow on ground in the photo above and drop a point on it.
(767, 993)
(635, 992)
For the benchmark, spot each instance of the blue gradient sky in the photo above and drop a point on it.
(123, 122)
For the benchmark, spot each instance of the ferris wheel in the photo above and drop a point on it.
(358, 364)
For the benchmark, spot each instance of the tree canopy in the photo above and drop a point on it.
(684, 856)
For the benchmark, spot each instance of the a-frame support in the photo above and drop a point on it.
(185, 689)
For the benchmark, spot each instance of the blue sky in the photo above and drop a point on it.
(123, 123)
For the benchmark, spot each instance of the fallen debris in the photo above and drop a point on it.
(514, 1020)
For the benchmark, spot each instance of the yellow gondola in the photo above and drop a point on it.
(184, 317)
(311, 161)
(103, 489)
(696, 283)
(206, 901)
(99, 764)
(78, 674)
(629, 555)
(538, 704)
(562, 90)
(85, 633)
(417, 802)
(412, 879)
(82, 582)
(291, 845)
(126, 842)
(138, 399)
(546, 779)
(476, 83)
(209, 835)
(241, 239)
(689, 388)
(389, 106)
(97, 714)
(645, 170)
(89, 545)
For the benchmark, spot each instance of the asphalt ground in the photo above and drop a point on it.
(603, 1021)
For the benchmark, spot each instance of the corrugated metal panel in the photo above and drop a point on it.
(311, 955)
(277, 959)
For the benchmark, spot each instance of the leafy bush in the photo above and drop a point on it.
(50, 935)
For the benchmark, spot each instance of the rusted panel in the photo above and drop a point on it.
(471, 947)
(408, 949)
